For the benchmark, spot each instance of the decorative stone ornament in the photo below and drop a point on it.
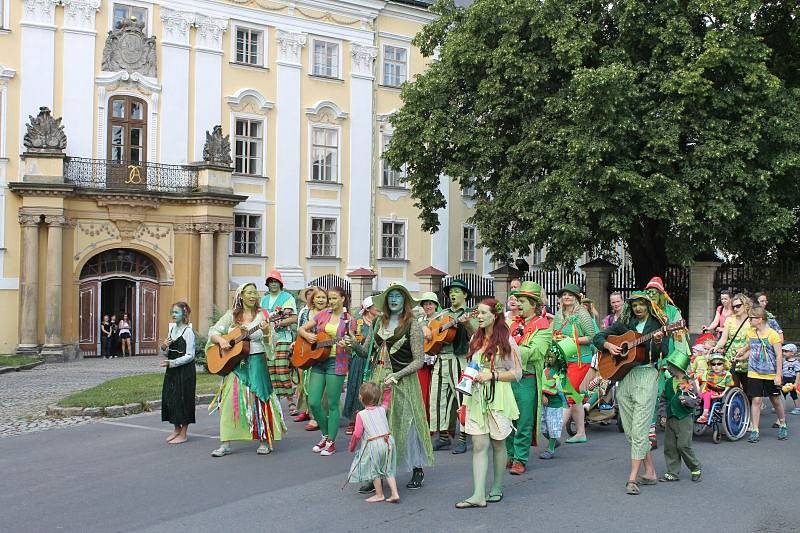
(217, 150)
(45, 133)
(128, 48)
(290, 45)
(363, 58)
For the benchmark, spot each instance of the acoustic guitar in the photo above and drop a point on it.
(635, 351)
(443, 331)
(221, 361)
(306, 354)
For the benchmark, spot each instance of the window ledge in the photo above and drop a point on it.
(248, 256)
(248, 65)
(397, 88)
(4, 31)
(254, 176)
(322, 77)
(394, 188)
(323, 258)
(328, 184)
(469, 262)
(391, 260)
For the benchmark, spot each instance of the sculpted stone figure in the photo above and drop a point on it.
(128, 48)
(217, 149)
(45, 132)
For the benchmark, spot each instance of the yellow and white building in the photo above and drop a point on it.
(124, 222)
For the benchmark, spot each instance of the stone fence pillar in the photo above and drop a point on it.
(502, 281)
(430, 279)
(598, 283)
(702, 297)
(360, 286)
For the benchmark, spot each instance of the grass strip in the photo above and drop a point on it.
(132, 389)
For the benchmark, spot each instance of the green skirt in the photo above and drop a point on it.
(503, 407)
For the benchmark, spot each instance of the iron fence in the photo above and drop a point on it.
(479, 286)
(329, 281)
(552, 280)
(129, 175)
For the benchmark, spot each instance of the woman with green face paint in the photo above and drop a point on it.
(177, 393)
(249, 409)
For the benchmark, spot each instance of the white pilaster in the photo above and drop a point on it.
(359, 212)
(38, 59)
(287, 181)
(207, 78)
(78, 73)
(440, 244)
(175, 86)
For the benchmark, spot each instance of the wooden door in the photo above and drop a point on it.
(89, 329)
(147, 323)
(127, 142)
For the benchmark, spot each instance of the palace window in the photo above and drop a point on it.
(393, 240)
(325, 59)
(249, 46)
(324, 154)
(124, 11)
(249, 141)
(323, 237)
(247, 234)
(127, 129)
(391, 177)
(395, 65)
(468, 243)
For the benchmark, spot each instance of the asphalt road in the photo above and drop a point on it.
(118, 475)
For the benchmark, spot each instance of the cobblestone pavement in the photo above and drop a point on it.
(25, 395)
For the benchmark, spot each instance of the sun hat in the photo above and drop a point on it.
(457, 284)
(276, 276)
(379, 300)
(429, 297)
(570, 288)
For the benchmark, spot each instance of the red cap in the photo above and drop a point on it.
(655, 283)
(276, 276)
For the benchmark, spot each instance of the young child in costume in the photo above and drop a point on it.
(554, 401)
(700, 352)
(713, 383)
(790, 371)
(375, 457)
(681, 396)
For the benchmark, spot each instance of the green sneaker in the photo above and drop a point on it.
(783, 433)
(754, 437)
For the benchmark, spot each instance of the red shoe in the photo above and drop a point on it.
(351, 428)
(302, 417)
(321, 445)
(311, 426)
(517, 469)
(330, 449)
(703, 419)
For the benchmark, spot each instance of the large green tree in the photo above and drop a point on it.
(671, 125)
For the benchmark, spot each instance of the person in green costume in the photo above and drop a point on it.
(394, 349)
(249, 409)
(667, 313)
(532, 333)
(681, 398)
(491, 408)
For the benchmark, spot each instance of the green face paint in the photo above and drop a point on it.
(457, 297)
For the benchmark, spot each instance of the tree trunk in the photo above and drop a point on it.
(648, 251)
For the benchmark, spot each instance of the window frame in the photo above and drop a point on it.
(262, 156)
(385, 138)
(338, 164)
(5, 16)
(263, 43)
(312, 63)
(335, 241)
(407, 50)
(464, 240)
(127, 123)
(145, 6)
(258, 233)
(404, 224)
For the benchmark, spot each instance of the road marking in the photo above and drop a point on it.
(160, 430)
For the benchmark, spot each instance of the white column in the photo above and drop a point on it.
(440, 244)
(175, 86)
(38, 59)
(207, 79)
(287, 182)
(78, 74)
(359, 212)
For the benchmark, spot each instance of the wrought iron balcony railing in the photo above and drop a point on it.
(129, 175)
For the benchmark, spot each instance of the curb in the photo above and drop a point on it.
(116, 411)
(29, 366)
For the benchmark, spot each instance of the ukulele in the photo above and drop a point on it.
(443, 331)
(221, 361)
(306, 354)
(635, 351)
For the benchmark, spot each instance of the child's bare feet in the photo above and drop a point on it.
(374, 499)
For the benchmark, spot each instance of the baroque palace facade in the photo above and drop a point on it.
(118, 193)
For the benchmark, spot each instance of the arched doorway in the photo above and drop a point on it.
(115, 282)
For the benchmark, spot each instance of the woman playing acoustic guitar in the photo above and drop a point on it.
(249, 409)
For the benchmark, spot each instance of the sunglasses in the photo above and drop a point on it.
(717, 364)
(736, 306)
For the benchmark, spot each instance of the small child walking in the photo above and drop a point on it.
(791, 367)
(553, 402)
(375, 453)
(681, 397)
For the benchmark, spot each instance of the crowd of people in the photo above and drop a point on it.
(412, 377)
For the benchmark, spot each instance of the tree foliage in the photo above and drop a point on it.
(672, 125)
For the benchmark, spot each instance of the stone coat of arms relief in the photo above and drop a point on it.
(128, 48)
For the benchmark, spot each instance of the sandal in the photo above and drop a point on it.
(494, 498)
(668, 477)
(632, 488)
(647, 480)
(469, 505)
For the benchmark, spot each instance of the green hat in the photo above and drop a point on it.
(571, 288)
(566, 348)
(457, 284)
(638, 295)
(587, 301)
(531, 289)
(429, 297)
(716, 356)
(379, 300)
(678, 359)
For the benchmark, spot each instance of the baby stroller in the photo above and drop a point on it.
(602, 407)
(729, 414)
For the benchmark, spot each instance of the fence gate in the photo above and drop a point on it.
(479, 286)
(329, 281)
(552, 280)
(676, 282)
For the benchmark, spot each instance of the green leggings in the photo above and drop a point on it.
(331, 386)
(482, 446)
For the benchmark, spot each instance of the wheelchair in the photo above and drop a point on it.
(729, 414)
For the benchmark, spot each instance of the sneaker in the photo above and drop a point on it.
(697, 476)
(351, 428)
(416, 479)
(795, 411)
(775, 425)
(311, 426)
(442, 444)
(783, 433)
(329, 449)
(366, 488)
(221, 451)
(461, 447)
(754, 437)
(547, 454)
(263, 449)
(302, 417)
(320, 445)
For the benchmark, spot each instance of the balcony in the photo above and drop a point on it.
(140, 176)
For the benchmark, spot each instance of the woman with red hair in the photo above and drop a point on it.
(491, 407)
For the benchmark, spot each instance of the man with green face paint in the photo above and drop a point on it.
(534, 336)
(450, 362)
(279, 368)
